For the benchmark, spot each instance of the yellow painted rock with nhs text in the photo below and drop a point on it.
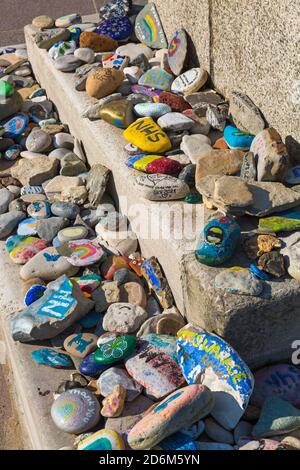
(148, 136)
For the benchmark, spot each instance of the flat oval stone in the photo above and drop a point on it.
(157, 78)
(124, 318)
(62, 48)
(77, 232)
(39, 210)
(97, 42)
(154, 164)
(114, 9)
(177, 51)
(43, 22)
(153, 110)
(15, 126)
(81, 344)
(81, 252)
(190, 81)
(118, 28)
(67, 20)
(118, 113)
(90, 367)
(178, 410)
(208, 358)
(22, 248)
(76, 411)
(236, 139)
(102, 440)
(114, 349)
(176, 102)
(149, 29)
(33, 294)
(65, 209)
(67, 63)
(103, 82)
(148, 136)
(161, 187)
(49, 357)
(28, 227)
(38, 141)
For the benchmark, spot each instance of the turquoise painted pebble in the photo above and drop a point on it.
(157, 78)
(13, 152)
(48, 357)
(118, 28)
(154, 110)
(39, 210)
(218, 240)
(236, 139)
(178, 441)
(34, 293)
(193, 198)
(76, 411)
(28, 227)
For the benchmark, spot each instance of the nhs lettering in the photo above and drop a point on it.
(148, 136)
(60, 302)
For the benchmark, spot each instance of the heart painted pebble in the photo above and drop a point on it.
(148, 28)
(177, 51)
(49, 357)
(207, 358)
(190, 81)
(81, 252)
(34, 293)
(118, 28)
(157, 78)
(114, 349)
(236, 139)
(28, 227)
(81, 344)
(15, 126)
(102, 440)
(154, 164)
(148, 136)
(76, 411)
(23, 248)
(39, 210)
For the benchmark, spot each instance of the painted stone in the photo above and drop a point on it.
(259, 273)
(282, 380)
(102, 440)
(62, 48)
(239, 281)
(6, 89)
(114, 61)
(236, 139)
(27, 227)
(61, 305)
(245, 114)
(177, 51)
(113, 377)
(15, 126)
(90, 367)
(48, 357)
(176, 442)
(76, 411)
(81, 252)
(176, 102)
(48, 264)
(153, 110)
(65, 209)
(278, 224)
(157, 78)
(114, 349)
(22, 248)
(277, 417)
(77, 232)
(118, 28)
(149, 29)
(208, 358)
(154, 164)
(145, 91)
(133, 51)
(271, 156)
(248, 170)
(13, 152)
(31, 190)
(112, 264)
(124, 318)
(97, 42)
(153, 367)
(81, 344)
(218, 240)
(33, 294)
(113, 404)
(176, 411)
(190, 81)
(118, 113)
(157, 282)
(103, 82)
(39, 210)
(161, 187)
(115, 9)
(148, 136)
(293, 176)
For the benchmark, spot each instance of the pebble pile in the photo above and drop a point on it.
(145, 379)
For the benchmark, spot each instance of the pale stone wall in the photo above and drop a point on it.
(247, 45)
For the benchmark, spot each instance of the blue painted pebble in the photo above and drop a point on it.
(31, 190)
(75, 34)
(259, 273)
(13, 152)
(15, 126)
(154, 110)
(90, 367)
(48, 357)
(236, 139)
(28, 227)
(118, 28)
(34, 293)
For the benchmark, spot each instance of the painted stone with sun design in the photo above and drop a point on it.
(177, 51)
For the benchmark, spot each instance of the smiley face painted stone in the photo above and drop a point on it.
(113, 349)
(148, 28)
(49, 357)
(207, 358)
(76, 411)
(148, 136)
(21, 248)
(102, 440)
(81, 252)
(236, 139)
(218, 240)
(177, 51)
(157, 78)
(190, 81)
(81, 344)
(180, 409)
(118, 28)
(39, 210)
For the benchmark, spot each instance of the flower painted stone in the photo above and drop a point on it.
(81, 344)
(148, 136)
(28, 227)
(90, 367)
(236, 139)
(153, 110)
(102, 440)
(76, 411)
(178, 410)
(118, 28)
(39, 210)
(157, 78)
(282, 380)
(151, 271)
(190, 81)
(81, 252)
(23, 248)
(154, 367)
(33, 294)
(49, 357)
(154, 164)
(149, 29)
(177, 51)
(207, 358)
(114, 349)
(218, 240)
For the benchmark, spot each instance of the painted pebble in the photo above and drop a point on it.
(118, 28)
(90, 367)
(157, 78)
(154, 164)
(49, 357)
(81, 344)
(15, 126)
(151, 271)
(22, 248)
(81, 252)
(39, 210)
(190, 81)
(148, 28)
(236, 139)
(148, 136)
(161, 187)
(113, 349)
(77, 232)
(177, 51)
(102, 440)
(153, 110)
(33, 294)
(28, 227)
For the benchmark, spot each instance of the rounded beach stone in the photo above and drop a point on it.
(77, 232)
(124, 318)
(113, 349)
(43, 22)
(39, 210)
(85, 54)
(9, 221)
(90, 367)
(76, 411)
(65, 209)
(178, 410)
(153, 110)
(133, 50)
(148, 136)
(103, 82)
(81, 344)
(102, 440)
(119, 113)
(38, 141)
(113, 377)
(34, 293)
(217, 433)
(158, 187)
(67, 63)
(190, 81)
(67, 20)
(236, 139)
(22, 249)
(97, 42)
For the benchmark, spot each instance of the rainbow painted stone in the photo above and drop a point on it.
(207, 358)
(81, 252)
(76, 411)
(49, 357)
(155, 366)
(154, 164)
(148, 136)
(177, 51)
(102, 440)
(22, 248)
(178, 410)
(15, 126)
(118, 28)
(157, 78)
(148, 28)
(218, 240)
(114, 349)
